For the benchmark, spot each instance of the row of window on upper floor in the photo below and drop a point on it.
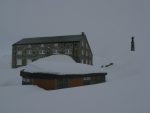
(55, 51)
(67, 45)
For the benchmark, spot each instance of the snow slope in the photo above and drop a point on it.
(126, 91)
(8, 76)
(109, 25)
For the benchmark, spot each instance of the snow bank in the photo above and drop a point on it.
(126, 90)
(8, 76)
(60, 64)
(101, 61)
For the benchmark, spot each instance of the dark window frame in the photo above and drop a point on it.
(62, 83)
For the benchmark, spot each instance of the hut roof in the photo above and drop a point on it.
(60, 65)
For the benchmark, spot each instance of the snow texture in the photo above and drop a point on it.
(126, 91)
(60, 65)
(109, 26)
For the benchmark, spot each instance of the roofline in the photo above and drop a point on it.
(17, 43)
(49, 75)
(43, 43)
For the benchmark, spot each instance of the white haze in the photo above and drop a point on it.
(109, 25)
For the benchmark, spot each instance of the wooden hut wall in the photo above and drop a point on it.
(48, 84)
(51, 82)
(74, 82)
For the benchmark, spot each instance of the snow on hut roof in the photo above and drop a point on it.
(60, 64)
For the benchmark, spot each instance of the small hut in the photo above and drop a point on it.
(60, 71)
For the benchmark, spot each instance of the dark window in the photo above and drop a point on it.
(55, 51)
(68, 51)
(62, 83)
(97, 79)
(26, 81)
(68, 45)
(29, 52)
(87, 80)
(42, 52)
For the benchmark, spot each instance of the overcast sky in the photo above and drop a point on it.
(108, 24)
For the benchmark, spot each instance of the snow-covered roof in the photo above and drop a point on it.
(37, 40)
(60, 64)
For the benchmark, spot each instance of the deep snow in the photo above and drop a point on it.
(109, 25)
(60, 65)
(126, 90)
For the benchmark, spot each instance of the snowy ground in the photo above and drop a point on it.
(109, 25)
(126, 90)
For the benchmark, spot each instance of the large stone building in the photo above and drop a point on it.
(31, 49)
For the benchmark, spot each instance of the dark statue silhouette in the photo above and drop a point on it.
(132, 44)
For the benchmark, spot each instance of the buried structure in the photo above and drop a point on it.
(60, 71)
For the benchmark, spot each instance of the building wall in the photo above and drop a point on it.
(36, 51)
(59, 83)
(85, 52)
(74, 82)
(79, 51)
(48, 84)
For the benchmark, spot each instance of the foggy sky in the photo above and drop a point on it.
(108, 24)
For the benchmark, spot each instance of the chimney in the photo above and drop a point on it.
(82, 33)
(132, 44)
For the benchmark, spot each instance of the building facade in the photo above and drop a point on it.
(53, 81)
(28, 50)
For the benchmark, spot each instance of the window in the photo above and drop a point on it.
(82, 61)
(90, 62)
(86, 45)
(87, 80)
(42, 52)
(82, 43)
(86, 61)
(26, 81)
(29, 61)
(56, 44)
(19, 52)
(42, 45)
(82, 52)
(55, 51)
(68, 51)
(68, 45)
(29, 52)
(29, 46)
(62, 83)
(86, 53)
(19, 62)
(90, 54)
(75, 45)
(98, 79)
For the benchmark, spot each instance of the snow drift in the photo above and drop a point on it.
(60, 64)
